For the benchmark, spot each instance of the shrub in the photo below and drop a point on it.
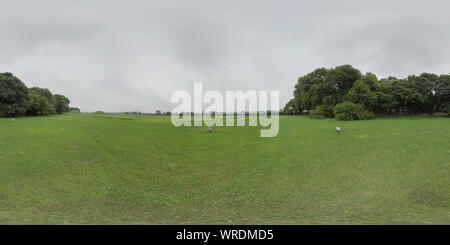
(317, 113)
(348, 111)
(321, 112)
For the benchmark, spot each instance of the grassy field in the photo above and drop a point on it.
(97, 169)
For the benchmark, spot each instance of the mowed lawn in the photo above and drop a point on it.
(104, 169)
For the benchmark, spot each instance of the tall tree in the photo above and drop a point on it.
(37, 104)
(364, 91)
(321, 90)
(341, 79)
(13, 95)
(51, 109)
(385, 101)
(62, 103)
(423, 87)
(441, 92)
(309, 89)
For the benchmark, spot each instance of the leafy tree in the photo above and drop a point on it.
(288, 108)
(407, 96)
(321, 90)
(51, 109)
(309, 89)
(292, 107)
(13, 95)
(441, 93)
(364, 91)
(423, 88)
(37, 104)
(16, 99)
(341, 79)
(324, 87)
(62, 103)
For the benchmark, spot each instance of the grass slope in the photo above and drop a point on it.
(100, 169)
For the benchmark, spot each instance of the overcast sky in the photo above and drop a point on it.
(132, 55)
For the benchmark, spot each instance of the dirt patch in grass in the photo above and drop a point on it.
(428, 198)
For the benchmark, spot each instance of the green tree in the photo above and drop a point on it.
(385, 100)
(423, 88)
(13, 95)
(289, 108)
(37, 104)
(326, 87)
(51, 109)
(62, 103)
(309, 90)
(364, 91)
(441, 93)
(407, 96)
(321, 90)
(341, 79)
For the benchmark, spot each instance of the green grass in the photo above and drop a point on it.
(102, 169)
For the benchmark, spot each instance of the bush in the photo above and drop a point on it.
(317, 113)
(321, 112)
(348, 111)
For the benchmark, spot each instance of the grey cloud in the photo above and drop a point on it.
(410, 45)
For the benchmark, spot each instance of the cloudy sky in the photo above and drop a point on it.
(132, 55)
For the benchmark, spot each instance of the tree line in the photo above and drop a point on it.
(16, 99)
(346, 94)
